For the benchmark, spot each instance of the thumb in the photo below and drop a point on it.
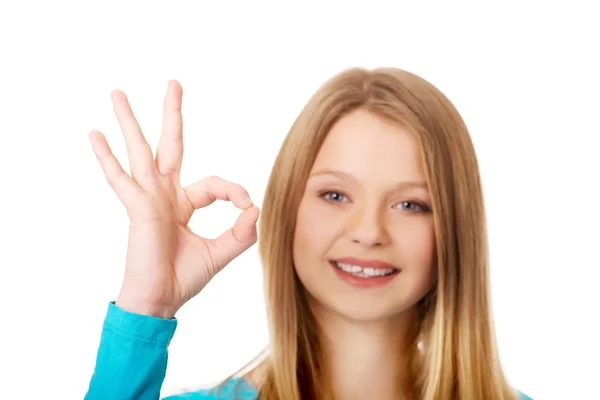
(236, 240)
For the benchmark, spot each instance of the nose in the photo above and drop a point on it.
(367, 227)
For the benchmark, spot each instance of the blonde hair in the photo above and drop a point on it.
(458, 358)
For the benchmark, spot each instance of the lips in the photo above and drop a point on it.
(361, 273)
(375, 264)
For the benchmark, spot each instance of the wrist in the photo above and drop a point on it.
(144, 308)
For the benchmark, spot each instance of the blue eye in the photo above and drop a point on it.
(422, 207)
(334, 197)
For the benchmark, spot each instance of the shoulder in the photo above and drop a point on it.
(235, 388)
(523, 396)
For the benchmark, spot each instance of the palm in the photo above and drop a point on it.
(168, 264)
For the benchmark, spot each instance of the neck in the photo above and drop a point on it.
(366, 360)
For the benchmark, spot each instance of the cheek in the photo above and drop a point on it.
(314, 234)
(415, 242)
(312, 223)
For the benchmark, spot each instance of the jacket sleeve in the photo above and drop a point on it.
(132, 357)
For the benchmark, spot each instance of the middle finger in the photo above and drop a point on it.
(141, 160)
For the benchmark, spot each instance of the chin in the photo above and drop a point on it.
(358, 310)
(369, 314)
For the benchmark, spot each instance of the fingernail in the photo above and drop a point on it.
(248, 201)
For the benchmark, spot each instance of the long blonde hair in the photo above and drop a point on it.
(458, 357)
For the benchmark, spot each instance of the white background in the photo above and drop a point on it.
(524, 77)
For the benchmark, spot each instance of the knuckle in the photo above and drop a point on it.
(114, 179)
(211, 182)
(169, 171)
(243, 191)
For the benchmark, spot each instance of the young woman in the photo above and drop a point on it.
(373, 243)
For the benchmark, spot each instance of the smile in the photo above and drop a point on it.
(364, 272)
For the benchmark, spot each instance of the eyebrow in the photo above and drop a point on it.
(344, 175)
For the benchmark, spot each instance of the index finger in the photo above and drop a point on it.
(208, 190)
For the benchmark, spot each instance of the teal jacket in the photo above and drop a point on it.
(132, 361)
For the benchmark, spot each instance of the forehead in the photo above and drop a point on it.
(368, 146)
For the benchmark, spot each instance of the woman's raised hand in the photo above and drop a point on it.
(167, 264)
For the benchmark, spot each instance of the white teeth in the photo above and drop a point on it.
(364, 272)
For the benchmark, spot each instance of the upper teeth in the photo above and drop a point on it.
(360, 271)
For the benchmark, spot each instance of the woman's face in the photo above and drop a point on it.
(364, 240)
